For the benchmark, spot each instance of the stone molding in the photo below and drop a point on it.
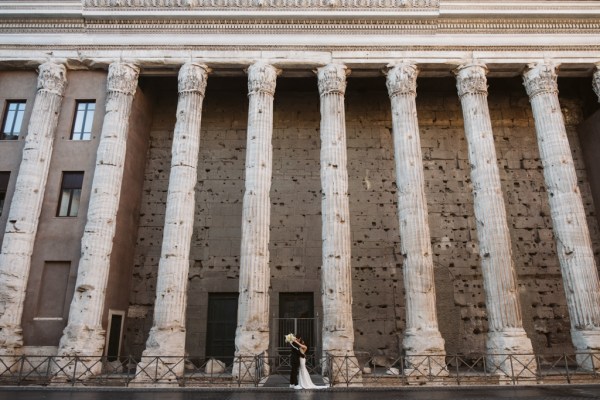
(402, 79)
(471, 79)
(193, 78)
(540, 78)
(276, 4)
(262, 78)
(332, 79)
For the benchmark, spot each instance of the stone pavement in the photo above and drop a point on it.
(421, 393)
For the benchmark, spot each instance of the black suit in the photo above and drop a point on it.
(295, 363)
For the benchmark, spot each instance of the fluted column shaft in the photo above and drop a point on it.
(252, 334)
(574, 248)
(338, 332)
(167, 336)
(506, 334)
(422, 334)
(26, 205)
(84, 334)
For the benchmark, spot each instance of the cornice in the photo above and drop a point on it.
(524, 9)
(583, 49)
(163, 5)
(300, 25)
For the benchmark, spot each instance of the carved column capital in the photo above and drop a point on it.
(596, 81)
(332, 79)
(402, 79)
(540, 78)
(122, 78)
(192, 78)
(262, 77)
(471, 79)
(52, 78)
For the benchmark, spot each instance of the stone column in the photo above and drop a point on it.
(422, 335)
(252, 334)
(167, 336)
(573, 244)
(506, 334)
(25, 208)
(84, 334)
(336, 285)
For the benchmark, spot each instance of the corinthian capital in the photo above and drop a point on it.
(332, 79)
(122, 78)
(470, 79)
(402, 79)
(540, 78)
(192, 78)
(596, 82)
(262, 78)
(52, 78)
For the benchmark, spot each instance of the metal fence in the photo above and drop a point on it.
(361, 369)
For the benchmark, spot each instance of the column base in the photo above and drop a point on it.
(510, 354)
(250, 368)
(424, 353)
(163, 360)
(343, 367)
(587, 345)
(11, 340)
(251, 358)
(11, 347)
(79, 353)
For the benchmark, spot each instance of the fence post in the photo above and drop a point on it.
(21, 363)
(74, 371)
(239, 378)
(402, 370)
(457, 370)
(512, 370)
(567, 368)
(128, 377)
(485, 368)
(429, 368)
(346, 374)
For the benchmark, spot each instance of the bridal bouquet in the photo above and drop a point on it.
(289, 338)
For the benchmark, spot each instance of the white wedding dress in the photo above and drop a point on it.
(304, 381)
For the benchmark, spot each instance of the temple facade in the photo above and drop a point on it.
(386, 178)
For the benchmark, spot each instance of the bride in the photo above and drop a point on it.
(304, 381)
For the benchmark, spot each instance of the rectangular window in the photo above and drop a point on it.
(4, 177)
(114, 334)
(84, 117)
(70, 194)
(13, 119)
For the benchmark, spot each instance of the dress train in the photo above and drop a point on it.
(304, 381)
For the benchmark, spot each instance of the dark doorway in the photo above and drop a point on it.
(296, 315)
(221, 325)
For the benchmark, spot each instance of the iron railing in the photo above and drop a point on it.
(489, 369)
(361, 369)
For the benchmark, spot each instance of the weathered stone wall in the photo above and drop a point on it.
(295, 246)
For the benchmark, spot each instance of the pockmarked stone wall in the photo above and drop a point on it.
(295, 246)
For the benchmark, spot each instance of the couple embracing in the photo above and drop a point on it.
(299, 376)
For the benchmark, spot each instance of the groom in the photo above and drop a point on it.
(295, 363)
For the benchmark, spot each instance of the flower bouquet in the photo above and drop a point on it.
(289, 338)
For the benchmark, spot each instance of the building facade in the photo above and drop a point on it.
(199, 178)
